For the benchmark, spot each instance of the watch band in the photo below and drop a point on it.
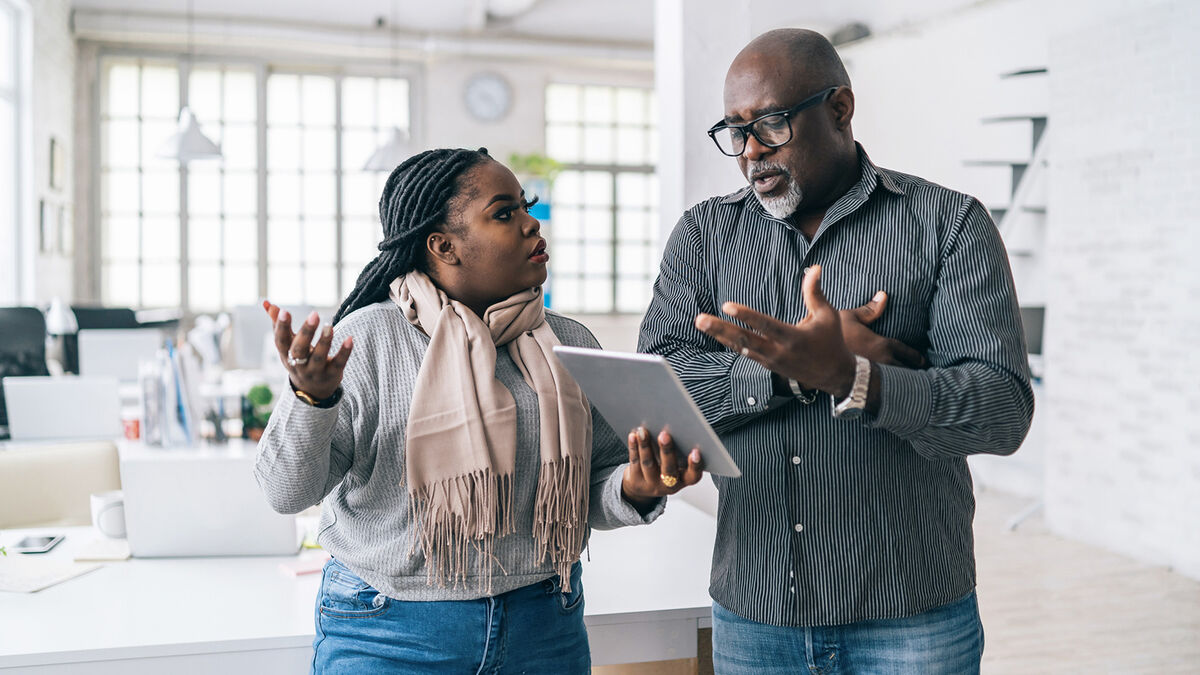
(328, 402)
(854, 404)
(803, 395)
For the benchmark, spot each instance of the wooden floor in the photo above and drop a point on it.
(1052, 605)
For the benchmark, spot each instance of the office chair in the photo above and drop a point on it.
(22, 347)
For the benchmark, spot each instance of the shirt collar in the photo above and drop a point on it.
(869, 176)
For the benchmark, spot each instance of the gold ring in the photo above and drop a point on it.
(669, 481)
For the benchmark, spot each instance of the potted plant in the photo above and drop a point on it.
(256, 410)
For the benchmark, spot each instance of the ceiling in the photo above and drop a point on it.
(629, 21)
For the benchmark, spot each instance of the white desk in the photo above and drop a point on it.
(647, 593)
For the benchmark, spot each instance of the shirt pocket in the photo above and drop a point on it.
(345, 595)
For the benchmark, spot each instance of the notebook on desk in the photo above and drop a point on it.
(183, 502)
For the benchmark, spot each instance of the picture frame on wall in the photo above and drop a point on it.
(66, 230)
(58, 162)
(47, 227)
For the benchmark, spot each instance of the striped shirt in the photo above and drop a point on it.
(834, 520)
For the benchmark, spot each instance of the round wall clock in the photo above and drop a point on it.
(488, 97)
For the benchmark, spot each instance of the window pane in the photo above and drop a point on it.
(562, 103)
(631, 145)
(320, 285)
(283, 242)
(597, 260)
(283, 99)
(563, 143)
(121, 192)
(319, 154)
(358, 102)
(120, 285)
(241, 194)
(320, 241)
(568, 188)
(160, 92)
(633, 190)
(319, 194)
(241, 99)
(283, 148)
(393, 103)
(598, 104)
(317, 99)
(204, 240)
(241, 285)
(631, 106)
(204, 190)
(122, 238)
(121, 90)
(360, 241)
(154, 134)
(567, 294)
(160, 239)
(597, 189)
(204, 286)
(567, 224)
(160, 191)
(597, 145)
(284, 285)
(597, 295)
(160, 285)
(632, 260)
(597, 225)
(283, 194)
(241, 241)
(239, 145)
(360, 194)
(357, 146)
(204, 94)
(635, 225)
(121, 143)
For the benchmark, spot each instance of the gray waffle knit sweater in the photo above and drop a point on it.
(352, 456)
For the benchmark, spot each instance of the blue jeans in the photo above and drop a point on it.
(946, 639)
(534, 629)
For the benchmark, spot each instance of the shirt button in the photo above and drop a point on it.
(799, 527)
(796, 460)
(750, 400)
(792, 574)
(793, 589)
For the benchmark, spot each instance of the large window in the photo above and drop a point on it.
(294, 223)
(603, 223)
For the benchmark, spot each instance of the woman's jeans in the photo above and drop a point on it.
(534, 629)
(946, 639)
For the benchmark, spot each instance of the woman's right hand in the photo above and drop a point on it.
(309, 366)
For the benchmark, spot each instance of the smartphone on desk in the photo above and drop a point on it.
(37, 544)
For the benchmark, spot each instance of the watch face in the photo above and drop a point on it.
(488, 97)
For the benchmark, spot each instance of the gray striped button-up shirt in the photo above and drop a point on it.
(835, 521)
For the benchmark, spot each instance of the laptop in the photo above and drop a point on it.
(116, 352)
(53, 408)
(199, 502)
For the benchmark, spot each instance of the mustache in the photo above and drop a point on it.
(755, 168)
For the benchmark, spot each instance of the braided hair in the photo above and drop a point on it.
(414, 203)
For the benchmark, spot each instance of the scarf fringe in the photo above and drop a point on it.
(459, 515)
(560, 514)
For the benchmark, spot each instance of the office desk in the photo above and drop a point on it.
(646, 595)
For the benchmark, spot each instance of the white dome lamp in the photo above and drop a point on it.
(188, 143)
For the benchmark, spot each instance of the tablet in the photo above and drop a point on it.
(633, 390)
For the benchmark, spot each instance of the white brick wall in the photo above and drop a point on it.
(53, 115)
(1122, 375)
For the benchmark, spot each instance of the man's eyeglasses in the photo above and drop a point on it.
(772, 130)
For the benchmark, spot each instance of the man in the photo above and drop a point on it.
(846, 545)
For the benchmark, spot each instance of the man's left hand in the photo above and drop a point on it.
(813, 352)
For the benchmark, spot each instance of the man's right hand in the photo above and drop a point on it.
(864, 342)
(309, 366)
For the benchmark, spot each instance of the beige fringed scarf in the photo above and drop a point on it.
(462, 432)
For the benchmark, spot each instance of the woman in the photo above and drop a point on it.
(460, 465)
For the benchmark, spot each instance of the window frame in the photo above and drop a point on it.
(263, 68)
(614, 169)
(20, 259)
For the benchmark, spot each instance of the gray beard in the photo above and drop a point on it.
(786, 204)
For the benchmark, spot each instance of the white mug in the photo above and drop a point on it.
(108, 513)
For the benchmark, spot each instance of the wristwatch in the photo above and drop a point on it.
(803, 395)
(853, 405)
(308, 398)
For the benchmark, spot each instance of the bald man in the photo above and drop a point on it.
(846, 545)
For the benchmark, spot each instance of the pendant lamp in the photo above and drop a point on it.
(188, 143)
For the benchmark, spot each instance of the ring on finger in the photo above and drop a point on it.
(745, 351)
(293, 361)
(667, 480)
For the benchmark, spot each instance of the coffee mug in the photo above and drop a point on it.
(108, 513)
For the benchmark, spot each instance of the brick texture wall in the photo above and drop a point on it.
(1122, 408)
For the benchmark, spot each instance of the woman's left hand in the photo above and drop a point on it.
(657, 472)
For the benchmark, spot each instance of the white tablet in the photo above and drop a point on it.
(633, 390)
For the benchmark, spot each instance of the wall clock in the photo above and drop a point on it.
(488, 96)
